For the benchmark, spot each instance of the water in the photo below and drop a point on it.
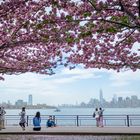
(76, 111)
(68, 116)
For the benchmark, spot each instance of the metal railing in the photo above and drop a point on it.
(78, 120)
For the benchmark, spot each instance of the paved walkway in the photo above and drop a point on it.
(82, 130)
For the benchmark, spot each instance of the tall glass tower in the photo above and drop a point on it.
(30, 99)
(101, 98)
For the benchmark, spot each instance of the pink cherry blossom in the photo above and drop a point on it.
(37, 36)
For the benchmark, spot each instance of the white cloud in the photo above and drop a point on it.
(77, 71)
(136, 48)
(125, 93)
(68, 76)
(57, 89)
(124, 78)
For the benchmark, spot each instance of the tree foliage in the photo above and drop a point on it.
(37, 36)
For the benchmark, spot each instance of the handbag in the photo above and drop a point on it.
(94, 115)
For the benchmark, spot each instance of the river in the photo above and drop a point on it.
(76, 111)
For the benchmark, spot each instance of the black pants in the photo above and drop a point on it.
(37, 128)
(22, 124)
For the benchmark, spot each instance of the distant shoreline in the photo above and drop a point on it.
(34, 108)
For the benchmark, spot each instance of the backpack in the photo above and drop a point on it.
(93, 115)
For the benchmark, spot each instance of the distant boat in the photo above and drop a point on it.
(57, 110)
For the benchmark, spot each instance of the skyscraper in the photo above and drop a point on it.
(101, 98)
(30, 99)
(114, 99)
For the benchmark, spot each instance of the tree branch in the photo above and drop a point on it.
(93, 5)
(125, 38)
(121, 5)
(126, 10)
(12, 7)
(139, 7)
(6, 45)
(119, 65)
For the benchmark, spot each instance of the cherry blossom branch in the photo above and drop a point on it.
(139, 7)
(128, 12)
(12, 7)
(93, 5)
(116, 65)
(125, 38)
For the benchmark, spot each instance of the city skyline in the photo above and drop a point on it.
(70, 86)
(116, 102)
(101, 99)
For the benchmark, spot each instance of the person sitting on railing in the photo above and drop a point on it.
(36, 122)
(50, 122)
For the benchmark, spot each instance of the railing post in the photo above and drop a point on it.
(27, 120)
(128, 120)
(77, 120)
(54, 118)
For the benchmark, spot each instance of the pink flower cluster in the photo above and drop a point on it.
(37, 36)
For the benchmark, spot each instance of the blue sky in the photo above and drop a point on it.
(70, 86)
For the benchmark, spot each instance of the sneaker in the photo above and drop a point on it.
(23, 128)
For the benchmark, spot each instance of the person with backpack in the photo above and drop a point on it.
(96, 116)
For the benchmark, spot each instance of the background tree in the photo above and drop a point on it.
(37, 36)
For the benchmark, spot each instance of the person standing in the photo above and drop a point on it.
(96, 115)
(0, 117)
(36, 122)
(3, 118)
(22, 118)
(101, 117)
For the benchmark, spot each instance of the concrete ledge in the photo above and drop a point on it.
(73, 131)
